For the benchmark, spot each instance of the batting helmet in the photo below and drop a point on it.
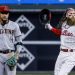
(45, 16)
(4, 9)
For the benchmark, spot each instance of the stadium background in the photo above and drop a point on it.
(41, 46)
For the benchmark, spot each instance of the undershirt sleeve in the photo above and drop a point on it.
(56, 31)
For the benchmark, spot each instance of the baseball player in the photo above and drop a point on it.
(10, 35)
(66, 30)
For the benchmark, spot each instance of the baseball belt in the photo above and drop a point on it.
(6, 51)
(67, 50)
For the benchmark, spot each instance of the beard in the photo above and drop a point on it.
(4, 21)
(71, 21)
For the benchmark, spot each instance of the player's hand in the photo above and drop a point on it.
(48, 26)
(10, 54)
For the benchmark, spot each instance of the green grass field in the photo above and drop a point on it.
(39, 73)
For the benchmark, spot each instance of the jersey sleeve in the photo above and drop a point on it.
(17, 30)
(18, 38)
(56, 31)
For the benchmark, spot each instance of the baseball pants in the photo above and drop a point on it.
(65, 63)
(4, 68)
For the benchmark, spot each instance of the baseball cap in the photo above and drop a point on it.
(4, 9)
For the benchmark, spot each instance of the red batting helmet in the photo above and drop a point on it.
(4, 8)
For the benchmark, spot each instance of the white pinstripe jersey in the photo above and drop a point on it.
(8, 32)
(68, 36)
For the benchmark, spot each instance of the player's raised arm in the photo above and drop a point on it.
(54, 30)
(44, 18)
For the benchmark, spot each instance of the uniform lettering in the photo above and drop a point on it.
(6, 31)
(66, 33)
